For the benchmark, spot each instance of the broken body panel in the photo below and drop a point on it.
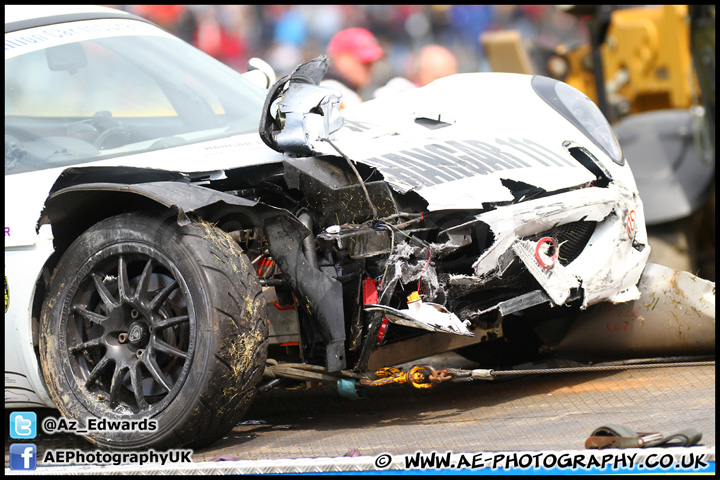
(428, 219)
(435, 156)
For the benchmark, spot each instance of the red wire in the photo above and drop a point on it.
(423, 270)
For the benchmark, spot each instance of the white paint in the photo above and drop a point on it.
(22, 269)
(608, 269)
(556, 281)
(501, 110)
(425, 315)
(33, 39)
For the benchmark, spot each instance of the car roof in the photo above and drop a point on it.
(19, 17)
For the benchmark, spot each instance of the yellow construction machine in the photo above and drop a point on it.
(651, 70)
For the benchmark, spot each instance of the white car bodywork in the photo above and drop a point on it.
(468, 160)
(527, 159)
(28, 245)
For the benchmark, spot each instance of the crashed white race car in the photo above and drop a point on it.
(162, 252)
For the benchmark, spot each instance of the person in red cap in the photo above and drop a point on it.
(352, 53)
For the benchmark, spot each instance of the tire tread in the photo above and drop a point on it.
(237, 348)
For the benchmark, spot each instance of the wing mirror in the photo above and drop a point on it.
(260, 73)
(298, 113)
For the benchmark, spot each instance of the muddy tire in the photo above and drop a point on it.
(145, 319)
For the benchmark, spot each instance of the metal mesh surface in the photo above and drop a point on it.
(543, 412)
(553, 412)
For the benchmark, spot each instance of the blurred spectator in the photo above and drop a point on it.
(434, 61)
(352, 53)
(211, 28)
(287, 35)
(429, 64)
(469, 22)
(166, 16)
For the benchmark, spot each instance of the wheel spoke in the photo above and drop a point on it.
(163, 295)
(116, 383)
(88, 315)
(96, 371)
(155, 371)
(104, 293)
(136, 381)
(169, 322)
(144, 281)
(123, 281)
(95, 342)
(130, 288)
(169, 349)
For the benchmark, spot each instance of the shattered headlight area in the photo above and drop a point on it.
(389, 237)
(375, 267)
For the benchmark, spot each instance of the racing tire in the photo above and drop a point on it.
(148, 323)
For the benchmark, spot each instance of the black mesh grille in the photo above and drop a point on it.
(572, 238)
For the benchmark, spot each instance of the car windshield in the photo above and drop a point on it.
(87, 91)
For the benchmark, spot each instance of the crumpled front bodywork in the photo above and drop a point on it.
(538, 213)
(608, 269)
(473, 212)
(443, 211)
(298, 113)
